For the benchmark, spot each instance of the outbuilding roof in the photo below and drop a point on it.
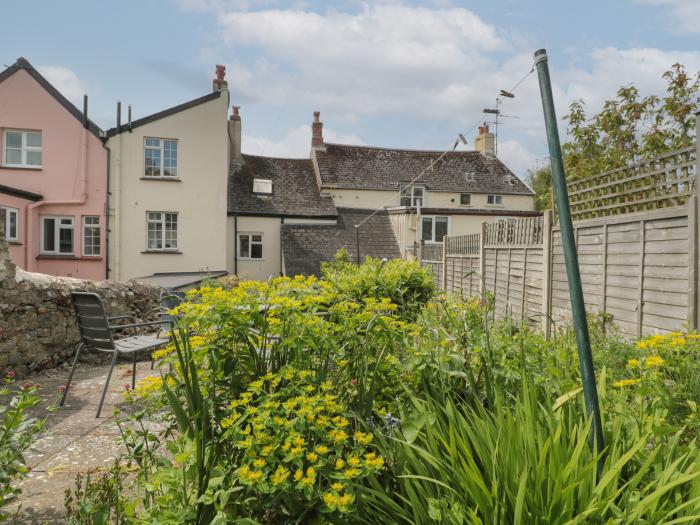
(372, 168)
(305, 246)
(294, 193)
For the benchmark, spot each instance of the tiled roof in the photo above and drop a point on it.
(23, 64)
(294, 189)
(305, 245)
(362, 167)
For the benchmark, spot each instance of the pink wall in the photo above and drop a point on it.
(26, 105)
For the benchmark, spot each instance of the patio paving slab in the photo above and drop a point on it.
(74, 440)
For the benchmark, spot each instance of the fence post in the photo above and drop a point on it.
(693, 251)
(482, 261)
(445, 243)
(546, 273)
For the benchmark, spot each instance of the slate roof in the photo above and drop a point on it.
(23, 64)
(165, 113)
(294, 189)
(305, 245)
(370, 168)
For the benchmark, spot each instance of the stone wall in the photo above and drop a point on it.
(37, 324)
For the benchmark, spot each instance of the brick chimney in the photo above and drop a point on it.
(219, 83)
(234, 134)
(485, 142)
(317, 131)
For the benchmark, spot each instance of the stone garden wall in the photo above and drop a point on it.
(37, 324)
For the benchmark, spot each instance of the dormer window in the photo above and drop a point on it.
(262, 186)
(412, 196)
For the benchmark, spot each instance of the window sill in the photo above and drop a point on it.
(249, 259)
(163, 252)
(27, 168)
(14, 243)
(91, 257)
(169, 179)
(57, 256)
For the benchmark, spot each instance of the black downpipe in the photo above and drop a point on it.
(108, 194)
(235, 245)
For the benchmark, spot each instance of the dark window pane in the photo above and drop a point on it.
(66, 240)
(49, 235)
(465, 199)
(440, 228)
(256, 251)
(427, 229)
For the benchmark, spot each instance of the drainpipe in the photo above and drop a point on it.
(77, 202)
(107, 195)
(235, 245)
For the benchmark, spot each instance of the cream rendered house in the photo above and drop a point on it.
(168, 185)
(286, 216)
(463, 190)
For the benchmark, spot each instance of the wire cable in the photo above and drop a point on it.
(429, 167)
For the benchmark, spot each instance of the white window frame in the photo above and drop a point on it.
(432, 232)
(85, 228)
(263, 186)
(57, 234)
(403, 193)
(162, 221)
(11, 211)
(161, 149)
(24, 148)
(496, 198)
(250, 235)
(470, 199)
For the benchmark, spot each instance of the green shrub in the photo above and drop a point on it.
(404, 283)
(18, 431)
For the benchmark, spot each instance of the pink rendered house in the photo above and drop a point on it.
(53, 178)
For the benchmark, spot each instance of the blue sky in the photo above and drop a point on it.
(387, 73)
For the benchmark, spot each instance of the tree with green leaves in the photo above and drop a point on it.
(627, 129)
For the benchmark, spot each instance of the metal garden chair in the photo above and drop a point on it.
(96, 333)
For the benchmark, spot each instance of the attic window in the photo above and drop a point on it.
(262, 186)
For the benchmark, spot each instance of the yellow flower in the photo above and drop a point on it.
(345, 500)
(307, 481)
(298, 475)
(340, 421)
(352, 473)
(339, 464)
(354, 461)
(633, 363)
(299, 441)
(295, 451)
(230, 420)
(259, 463)
(362, 438)
(337, 486)
(322, 449)
(375, 462)
(330, 499)
(280, 475)
(267, 449)
(339, 436)
(312, 456)
(625, 382)
(653, 361)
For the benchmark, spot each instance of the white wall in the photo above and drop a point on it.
(374, 199)
(199, 196)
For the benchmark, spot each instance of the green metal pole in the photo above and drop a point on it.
(578, 308)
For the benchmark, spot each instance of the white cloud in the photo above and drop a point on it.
(295, 144)
(66, 81)
(438, 63)
(683, 15)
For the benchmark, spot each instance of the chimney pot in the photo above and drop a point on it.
(317, 131)
(220, 82)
